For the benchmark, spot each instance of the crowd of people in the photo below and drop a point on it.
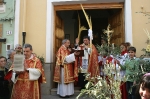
(72, 67)
(21, 84)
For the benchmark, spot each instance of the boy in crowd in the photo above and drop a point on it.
(131, 67)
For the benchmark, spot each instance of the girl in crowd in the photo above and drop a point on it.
(123, 48)
(144, 88)
(124, 52)
(128, 44)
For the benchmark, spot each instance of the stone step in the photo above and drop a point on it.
(76, 91)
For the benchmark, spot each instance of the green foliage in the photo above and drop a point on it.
(103, 50)
(104, 87)
(116, 51)
(146, 53)
(106, 50)
(41, 58)
(144, 67)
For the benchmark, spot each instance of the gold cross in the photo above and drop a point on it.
(108, 32)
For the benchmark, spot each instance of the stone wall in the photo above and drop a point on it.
(46, 88)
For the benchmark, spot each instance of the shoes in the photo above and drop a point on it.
(64, 96)
(68, 96)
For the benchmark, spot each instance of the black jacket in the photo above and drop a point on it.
(4, 84)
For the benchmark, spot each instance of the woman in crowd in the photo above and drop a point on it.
(124, 52)
(10, 60)
(4, 84)
(121, 61)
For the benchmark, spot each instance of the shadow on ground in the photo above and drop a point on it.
(57, 97)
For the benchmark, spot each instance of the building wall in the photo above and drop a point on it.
(139, 22)
(39, 28)
(38, 32)
(35, 25)
(8, 25)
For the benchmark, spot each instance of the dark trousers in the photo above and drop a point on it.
(5, 97)
(82, 81)
(129, 86)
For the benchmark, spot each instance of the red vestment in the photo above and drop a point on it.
(25, 88)
(93, 66)
(70, 72)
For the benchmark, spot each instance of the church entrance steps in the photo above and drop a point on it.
(76, 91)
(57, 97)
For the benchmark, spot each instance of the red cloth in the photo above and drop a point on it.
(123, 91)
(8, 75)
(109, 59)
(70, 71)
(25, 88)
(123, 86)
(122, 53)
(100, 63)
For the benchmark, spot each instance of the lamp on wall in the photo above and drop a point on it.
(3, 40)
(23, 36)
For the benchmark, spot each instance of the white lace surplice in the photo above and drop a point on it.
(66, 89)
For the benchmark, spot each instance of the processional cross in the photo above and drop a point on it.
(108, 32)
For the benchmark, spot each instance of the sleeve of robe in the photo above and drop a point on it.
(34, 74)
(89, 50)
(70, 58)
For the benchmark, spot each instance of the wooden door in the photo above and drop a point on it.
(1, 32)
(117, 24)
(59, 33)
(58, 37)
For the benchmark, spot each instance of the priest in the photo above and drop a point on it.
(27, 82)
(65, 73)
(87, 63)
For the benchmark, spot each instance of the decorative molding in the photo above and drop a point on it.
(88, 6)
(49, 32)
(128, 22)
(17, 21)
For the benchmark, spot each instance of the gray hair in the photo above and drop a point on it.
(64, 41)
(10, 52)
(17, 45)
(27, 46)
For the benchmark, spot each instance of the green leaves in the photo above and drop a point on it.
(41, 58)
(106, 50)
